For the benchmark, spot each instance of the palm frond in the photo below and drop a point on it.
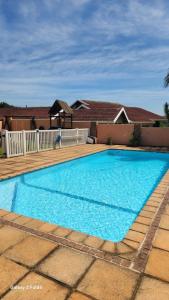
(166, 80)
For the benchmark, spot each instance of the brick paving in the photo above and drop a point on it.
(45, 261)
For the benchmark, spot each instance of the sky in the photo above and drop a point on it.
(84, 49)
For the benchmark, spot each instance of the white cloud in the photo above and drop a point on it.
(54, 46)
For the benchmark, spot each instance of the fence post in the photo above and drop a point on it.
(7, 143)
(77, 136)
(24, 142)
(37, 139)
(60, 139)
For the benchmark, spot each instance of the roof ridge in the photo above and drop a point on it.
(98, 101)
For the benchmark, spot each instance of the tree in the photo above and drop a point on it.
(166, 110)
(166, 80)
(135, 140)
(5, 104)
(166, 106)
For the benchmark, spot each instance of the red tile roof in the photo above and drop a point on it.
(137, 114)
(38, 112)
(99, 111)
(95, 114)
(107, 111)
(101, 104)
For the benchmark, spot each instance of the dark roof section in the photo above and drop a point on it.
(58, 106)
(38, 112)
(95, 114)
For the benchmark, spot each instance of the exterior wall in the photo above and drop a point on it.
(20, 124)
(26, 124)
(45, 123)
(81, 124)
(93, 129)
(155, 136)
(120, 133)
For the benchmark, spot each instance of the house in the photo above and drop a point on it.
(27, 118)
(81, 114)
(24, 118)
(62, 113)
(98, 111)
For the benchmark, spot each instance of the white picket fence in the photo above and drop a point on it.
(28, 141)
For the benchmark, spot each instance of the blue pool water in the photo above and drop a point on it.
(100, 194)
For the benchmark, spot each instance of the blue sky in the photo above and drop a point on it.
(84, 49)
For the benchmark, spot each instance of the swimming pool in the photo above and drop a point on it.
(100, 194)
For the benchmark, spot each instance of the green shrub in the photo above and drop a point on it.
(1, 152)
(135, 140)
(109, 141)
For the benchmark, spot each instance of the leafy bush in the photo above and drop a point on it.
(109, 141)
(157, 124)
(1, 152)
(135, 140)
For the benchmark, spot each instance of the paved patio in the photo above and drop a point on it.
(33, 265)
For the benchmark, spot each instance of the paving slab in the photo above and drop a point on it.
(34, 224)
(164, 222)
(143, 220)
(22, 220)
(109, 246)
(3, 212)
(48, 290)
(135, 236)
(167, 210)
(150, 208)
(109, 282)
(47, 227)
(10, 273)
(161, 239)
(158, 264)
(93, 241)
(125, 251)
(11, 216)
(66, 265)
(10, 236)
(132, 244)
(147, 214)
(78, 296)
(77, 236)
(153, 203)
(30, 251)
(153, 289)
(140, 227)
(61, 231)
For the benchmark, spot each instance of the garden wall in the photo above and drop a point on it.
(81, 124)
(155, 136)
(26, 124)
(120, 133)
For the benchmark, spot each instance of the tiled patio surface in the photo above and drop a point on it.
(50, 262)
